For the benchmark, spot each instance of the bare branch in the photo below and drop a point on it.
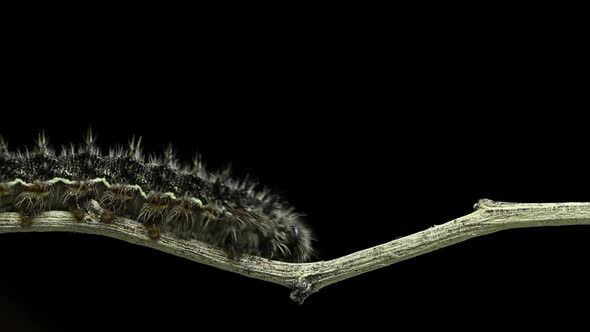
(308, 278)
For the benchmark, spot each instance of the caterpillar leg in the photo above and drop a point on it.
(183, 218)
(100, 213)
(118, 197)
(31, 201)
(76, 196)
(78, 213)
(115, 200)
(153, 232)
(153, 212)
(291, 242)
(229, 243)
(107, 216)
(232, 236)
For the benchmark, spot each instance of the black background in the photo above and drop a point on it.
(372, 137)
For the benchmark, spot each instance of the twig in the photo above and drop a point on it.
(308, 278)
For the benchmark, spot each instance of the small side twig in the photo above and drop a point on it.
(308, 278)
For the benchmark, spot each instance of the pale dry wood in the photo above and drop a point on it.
(308, 278)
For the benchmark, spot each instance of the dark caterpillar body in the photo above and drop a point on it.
(187, 202)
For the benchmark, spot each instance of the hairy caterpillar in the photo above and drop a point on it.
(188, 202)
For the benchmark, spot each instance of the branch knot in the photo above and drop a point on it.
(302, 288)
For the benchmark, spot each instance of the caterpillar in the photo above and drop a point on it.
(165, 196)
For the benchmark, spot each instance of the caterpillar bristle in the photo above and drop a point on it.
(170, 157)
(42, 145)
(90, 137)
(135, 149)
(165, 196)
(41, 140)
(4, 154)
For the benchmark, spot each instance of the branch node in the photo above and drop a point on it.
(302, 288)
(484, 203)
